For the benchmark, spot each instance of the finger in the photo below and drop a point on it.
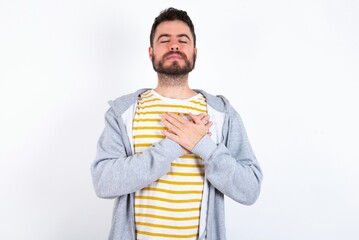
(184, 118)
(171, 127)
(170, 135)
(209, 124)
(205, 119)
(168, 118)
(201, 115)
(174, 117)
(195, 118)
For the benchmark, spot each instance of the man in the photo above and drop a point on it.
(167, 166)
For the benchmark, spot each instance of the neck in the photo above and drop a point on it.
(174, 86)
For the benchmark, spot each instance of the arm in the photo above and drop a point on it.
(231, 167)
(116, 171)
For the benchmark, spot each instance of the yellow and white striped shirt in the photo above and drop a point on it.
(169, 208)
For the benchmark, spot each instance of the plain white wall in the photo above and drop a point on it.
(289, 67)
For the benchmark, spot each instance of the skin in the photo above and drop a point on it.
(186, 133)
(171, 38)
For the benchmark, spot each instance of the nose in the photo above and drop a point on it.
(174, 47)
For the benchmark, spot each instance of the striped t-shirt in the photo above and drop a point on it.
(169, 208)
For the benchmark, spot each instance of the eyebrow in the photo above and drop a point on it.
(169, 35)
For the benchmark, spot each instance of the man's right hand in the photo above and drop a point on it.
(199, 119)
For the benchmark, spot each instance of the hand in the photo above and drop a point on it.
(186, 132)
(204, 119)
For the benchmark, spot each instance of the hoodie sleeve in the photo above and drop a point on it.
(116, 172)
(231, 166)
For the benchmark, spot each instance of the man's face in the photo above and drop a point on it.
(173, 51)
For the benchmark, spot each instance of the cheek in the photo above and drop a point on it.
(191, 54)
(158, 53)
(188, 51)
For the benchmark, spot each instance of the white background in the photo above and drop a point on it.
(289, 67)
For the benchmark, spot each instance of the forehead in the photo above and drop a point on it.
(173, 28)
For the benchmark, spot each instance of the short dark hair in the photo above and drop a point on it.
(171, 14)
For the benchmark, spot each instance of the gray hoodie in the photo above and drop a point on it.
(231, 167)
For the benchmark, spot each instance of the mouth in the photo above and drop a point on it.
(174, 56)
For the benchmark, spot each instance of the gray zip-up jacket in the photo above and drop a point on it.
(231, 168)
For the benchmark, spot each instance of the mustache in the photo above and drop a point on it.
(178, 52)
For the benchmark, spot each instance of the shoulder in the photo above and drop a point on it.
(122, 103)
(219, 102)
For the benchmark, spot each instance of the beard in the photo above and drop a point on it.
(175, 69)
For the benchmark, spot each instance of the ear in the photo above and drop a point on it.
(150, 52)
(195, 52)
